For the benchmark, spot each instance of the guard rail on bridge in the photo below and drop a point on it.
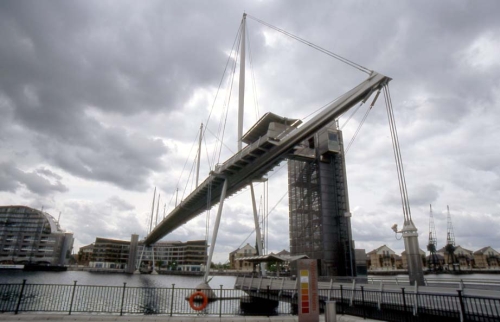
(390, 302)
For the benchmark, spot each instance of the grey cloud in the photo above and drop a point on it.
(116, 156)
(100, 219)
(46, 172)
(120, 204)
(13, 178)
(93, 86)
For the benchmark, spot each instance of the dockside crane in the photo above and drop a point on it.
(450, 243)
(434, 264)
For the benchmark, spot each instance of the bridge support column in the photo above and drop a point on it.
(216, 230)
(153, 272)
(415, 270)
(138, 266)
(257, 231)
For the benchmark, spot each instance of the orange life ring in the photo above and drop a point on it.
(203, 304)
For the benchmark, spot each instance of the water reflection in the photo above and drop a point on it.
(113, 279)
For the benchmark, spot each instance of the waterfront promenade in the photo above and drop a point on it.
(10, 317)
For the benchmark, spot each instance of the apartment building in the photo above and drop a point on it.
(245, 251)
(487, 257)
(382, 258)
(85, 255)
(110, 253)
(31, 236)
(188, 256)
(115, 254)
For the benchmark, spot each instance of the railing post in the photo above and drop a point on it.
(123, 298)
(20, 297)
(352, 293)
(342, 299)
(72, 298)
(330, 290)
(268, 291)
(379, 304)
(404, 303)
(363, 302)
(172, 300)
(220, 302)
(415, 302)
(282, 283)
(462, 307)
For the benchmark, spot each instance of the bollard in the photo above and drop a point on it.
(330, 311)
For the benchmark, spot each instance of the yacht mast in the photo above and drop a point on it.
(199, 155)
(241, 99)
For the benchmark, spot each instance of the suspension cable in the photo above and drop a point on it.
(229, 58)
(357, 130)
(352, 114)
(222, 123)
(189, 178)
(254, 84)
(267, 215)
(397, 155)
(310, 44)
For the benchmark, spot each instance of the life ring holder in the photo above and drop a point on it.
(203, 304)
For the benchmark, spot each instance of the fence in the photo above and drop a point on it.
(383, 305)
(126, 300)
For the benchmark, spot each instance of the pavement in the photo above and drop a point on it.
(10, 317)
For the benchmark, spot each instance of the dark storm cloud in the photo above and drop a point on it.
(60, 60)
(96, 54)
(12, 178)
(106, 92)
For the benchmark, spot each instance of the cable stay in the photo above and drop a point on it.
(405, 202)
(254, 85)
(310, 44)
(243, 168)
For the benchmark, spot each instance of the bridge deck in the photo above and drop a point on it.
(258, 158)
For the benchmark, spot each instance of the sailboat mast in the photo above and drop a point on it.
(157, 208)
(199, 155)
(152, 211)
(241, 99)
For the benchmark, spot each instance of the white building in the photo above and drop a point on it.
(30, 236)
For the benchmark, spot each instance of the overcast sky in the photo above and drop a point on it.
(101, 101)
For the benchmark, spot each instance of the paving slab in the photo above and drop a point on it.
(10, 317)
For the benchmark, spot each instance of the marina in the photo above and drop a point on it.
(319, 271)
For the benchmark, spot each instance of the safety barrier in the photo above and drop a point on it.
(402, 305)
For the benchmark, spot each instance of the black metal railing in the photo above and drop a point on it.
(382, 305)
